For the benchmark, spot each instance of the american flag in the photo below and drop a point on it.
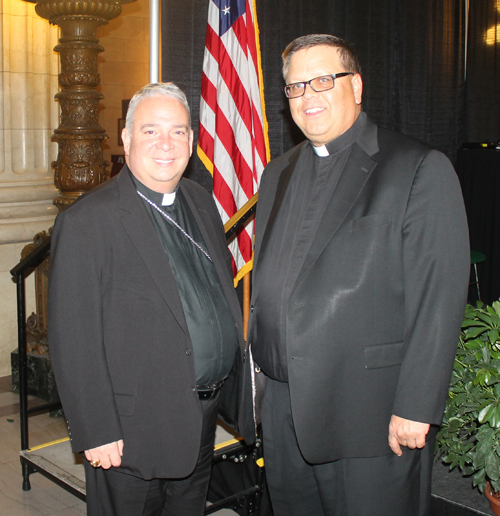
(233, 141)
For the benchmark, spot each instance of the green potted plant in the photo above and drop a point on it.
(469, 437)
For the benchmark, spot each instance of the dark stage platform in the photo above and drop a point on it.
(453, 495)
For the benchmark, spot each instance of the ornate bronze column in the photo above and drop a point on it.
(80, 164)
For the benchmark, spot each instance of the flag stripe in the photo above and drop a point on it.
(222, 98)
(233, 141)
(229, 75)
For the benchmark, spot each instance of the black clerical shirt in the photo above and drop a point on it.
(208, 317)
(308, 193)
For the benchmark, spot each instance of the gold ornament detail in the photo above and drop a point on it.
(36, 325)
(80, 164)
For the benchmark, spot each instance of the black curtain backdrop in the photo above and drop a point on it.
(411, 53)
(483, 72)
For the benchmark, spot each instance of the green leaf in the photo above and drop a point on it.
(454, 425)
(480, 457)
(486, 413)
(492, 466)
(493, 336)
(471, 323)
(468, 470)
(479, 477)
(496, 417)
(468, 447)
(486, 354)
(486, 318)
(473, 344)
(474, 332)
(495, 484)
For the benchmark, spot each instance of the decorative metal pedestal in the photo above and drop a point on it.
(80, 164)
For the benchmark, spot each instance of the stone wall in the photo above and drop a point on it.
(28, 116)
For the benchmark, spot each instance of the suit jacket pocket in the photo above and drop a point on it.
(125, 403)
(371, 221)
(384, 355)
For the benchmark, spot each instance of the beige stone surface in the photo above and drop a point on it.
(29, 114)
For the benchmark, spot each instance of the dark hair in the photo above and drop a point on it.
(348, 57)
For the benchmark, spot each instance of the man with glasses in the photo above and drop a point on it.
(360, 283)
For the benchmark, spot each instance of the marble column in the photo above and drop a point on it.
(28, 116)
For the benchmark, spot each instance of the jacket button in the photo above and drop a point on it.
(188, 351)
(251, 308)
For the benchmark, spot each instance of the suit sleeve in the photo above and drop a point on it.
(76, 340)
(436, 261)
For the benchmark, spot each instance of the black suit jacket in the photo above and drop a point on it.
(118, 337)
(374, 315)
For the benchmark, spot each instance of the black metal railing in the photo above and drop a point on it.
(19, 273)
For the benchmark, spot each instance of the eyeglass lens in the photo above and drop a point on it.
(318, 84)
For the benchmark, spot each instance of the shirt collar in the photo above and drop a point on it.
(169, 198)
(321, 151)
(158, 198)
(344, 140)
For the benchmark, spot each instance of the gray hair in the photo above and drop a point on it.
(348, 57)
(166, 89)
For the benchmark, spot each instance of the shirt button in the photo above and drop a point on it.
(187, 351)
(251, 308)
(194, 390)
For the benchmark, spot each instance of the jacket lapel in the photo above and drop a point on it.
(352, 180)
(356, 173)
(144, 237)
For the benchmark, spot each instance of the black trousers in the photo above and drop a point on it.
(113, 493)
(379, 486)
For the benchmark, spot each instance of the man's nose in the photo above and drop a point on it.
(164, 142)
(309, 92)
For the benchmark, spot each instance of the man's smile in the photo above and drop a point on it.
(314, 110)
(163, 161)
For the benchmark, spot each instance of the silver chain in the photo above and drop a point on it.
(169, 218)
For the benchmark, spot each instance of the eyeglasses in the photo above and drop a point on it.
(318, 84)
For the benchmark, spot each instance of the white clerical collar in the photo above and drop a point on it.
(321, 150)
(168, 199)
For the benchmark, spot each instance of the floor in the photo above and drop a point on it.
(45, 497)
(453, 494)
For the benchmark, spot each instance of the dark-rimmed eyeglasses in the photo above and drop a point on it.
(318, 84)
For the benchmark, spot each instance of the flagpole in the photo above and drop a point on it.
(246, 303)
(154, 40)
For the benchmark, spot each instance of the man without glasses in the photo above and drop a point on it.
(144, 323)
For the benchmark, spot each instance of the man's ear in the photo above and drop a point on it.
(191, 138)
(357, 88)
(126, 141)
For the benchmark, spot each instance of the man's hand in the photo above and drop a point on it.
(404, 432)
(107, 455)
